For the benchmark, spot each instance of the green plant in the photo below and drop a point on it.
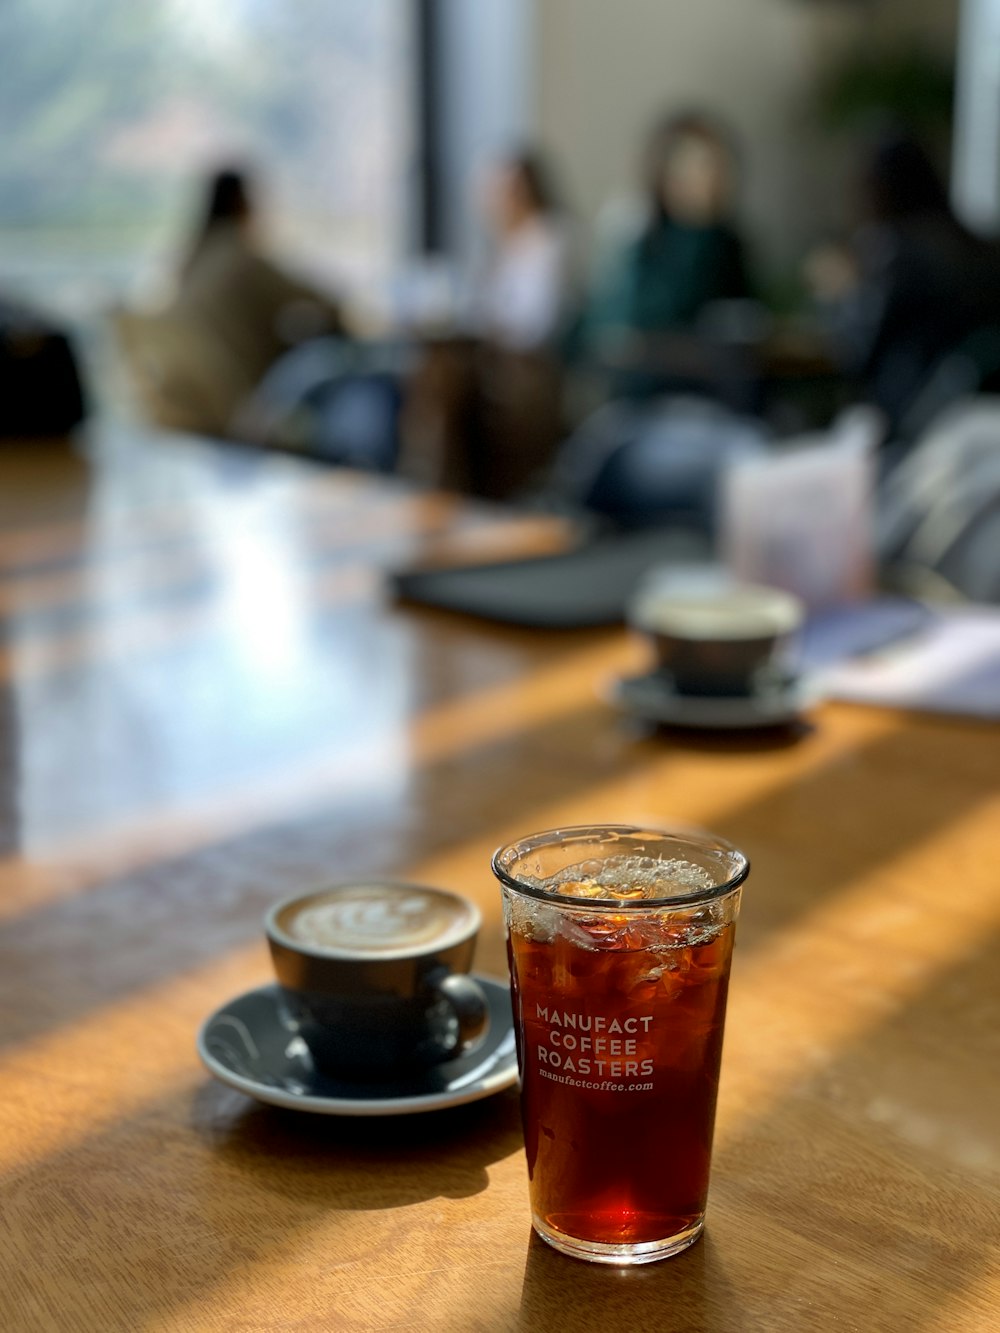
(909, 84)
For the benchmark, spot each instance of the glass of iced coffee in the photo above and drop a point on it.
(619, 942)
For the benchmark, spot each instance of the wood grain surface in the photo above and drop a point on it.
(207, 702)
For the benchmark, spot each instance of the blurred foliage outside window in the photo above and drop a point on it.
(113, 110)
(908, 83)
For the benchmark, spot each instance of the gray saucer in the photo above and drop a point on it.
(252, 1044)
(653, 698)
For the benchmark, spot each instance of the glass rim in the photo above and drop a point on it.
(694, 836)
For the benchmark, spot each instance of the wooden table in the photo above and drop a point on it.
(207, 703)
(749, 375)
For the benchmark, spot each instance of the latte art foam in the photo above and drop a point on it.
(376, 919)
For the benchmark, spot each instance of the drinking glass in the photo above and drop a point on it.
(619, 941)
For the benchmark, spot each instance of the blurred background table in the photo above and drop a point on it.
(778, 364)
(207, 703)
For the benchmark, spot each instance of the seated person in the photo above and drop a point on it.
(522, 296)
(234, 312)
(483, 412)
(912, 287)
(686, 252)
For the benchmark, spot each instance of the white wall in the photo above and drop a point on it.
(606, 68)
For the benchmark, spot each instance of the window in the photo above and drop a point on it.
(113, 109)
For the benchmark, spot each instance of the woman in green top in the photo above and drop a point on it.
(688, 253)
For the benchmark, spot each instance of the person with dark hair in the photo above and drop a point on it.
(233, 314)
(898, 180)
(913, 287)
(687, 251)
(523, 297)
(484, 407)
(227, 203)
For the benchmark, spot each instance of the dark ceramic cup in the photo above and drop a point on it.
(375, 976)
(712, 635)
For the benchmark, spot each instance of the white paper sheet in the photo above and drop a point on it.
(950, 666)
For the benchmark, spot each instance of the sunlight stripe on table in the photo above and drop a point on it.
(889, 924)
(150, 628)
(90, 588)
(813, 1002)
(451, 728)
(974, 1309)
(112, 631)
(122, 586)
(95, 547)
(658, 791)
(335, 513)
(334, 510)
(27, 883)
(851, 962)
(160, 1057)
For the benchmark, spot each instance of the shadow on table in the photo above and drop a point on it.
(147, 913)
(885, 1226)
(692, 1291)
(907, 1120)
(364, 1162)
(710, 740)
(190, 1198)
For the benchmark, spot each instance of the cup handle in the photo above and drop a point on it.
(470, 1006)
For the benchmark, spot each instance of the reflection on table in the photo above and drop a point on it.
(209, 702)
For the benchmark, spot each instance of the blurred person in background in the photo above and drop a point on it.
(913, 287)
(687, 251)
(483, 411)
(234, 312)
(522, 297)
